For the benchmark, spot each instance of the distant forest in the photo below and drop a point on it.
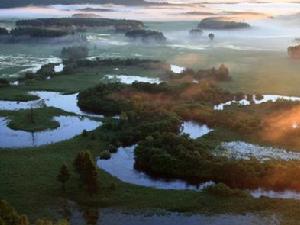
(19, 3)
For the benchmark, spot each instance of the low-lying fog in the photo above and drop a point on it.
(249, 53)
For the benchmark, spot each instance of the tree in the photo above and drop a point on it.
(90, 177)
(78, 162)
(8, 215)
(74, 53)
(23, 220)
(4, 82)
(211, 36)
(87, 170)
(222, 73)
(63, 176)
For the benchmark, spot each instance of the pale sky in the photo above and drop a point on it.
(242, 10)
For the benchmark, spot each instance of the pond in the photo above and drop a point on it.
(254, 100)
(70, 126)
(177, 69)
(126, 79)
(121, 165)
(115, 217)
(59, 68)
(66, 102)
(194, 129)
(287, 194)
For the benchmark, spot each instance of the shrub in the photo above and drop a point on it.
(74, 53)
(222, 190)
(105, 155)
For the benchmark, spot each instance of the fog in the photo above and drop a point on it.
(272, 31)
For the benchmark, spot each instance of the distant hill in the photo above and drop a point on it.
(20, 3)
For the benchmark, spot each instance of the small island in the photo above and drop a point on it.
(221, 24)
(80, 23)
(146, 36)
(196, 32)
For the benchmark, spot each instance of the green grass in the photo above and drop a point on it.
(33, 120)
(16, 94)
(84, 78)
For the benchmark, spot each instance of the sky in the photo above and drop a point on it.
(241, 10)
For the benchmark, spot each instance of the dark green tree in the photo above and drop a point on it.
(63, 176)
(78, 162)
(87, 170)
(74, 53)
(90, 177)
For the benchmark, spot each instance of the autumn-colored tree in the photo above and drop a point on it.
(23, 220)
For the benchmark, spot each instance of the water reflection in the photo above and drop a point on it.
(116, 217)
(177, 69)
(121, 165)
(265, 98)
(70, 126)
(66, 102)
(131, 79)
(287, 194)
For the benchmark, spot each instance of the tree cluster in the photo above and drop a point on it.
(74, 53)
(146, 35)
(221, 24)
(38, 32)
(219, 74)
(79, 23)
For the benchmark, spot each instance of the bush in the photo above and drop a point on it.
(112, 149)
(4, 82)
(105, 155)
(74, 53)
(84, 133)
(222, 190)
